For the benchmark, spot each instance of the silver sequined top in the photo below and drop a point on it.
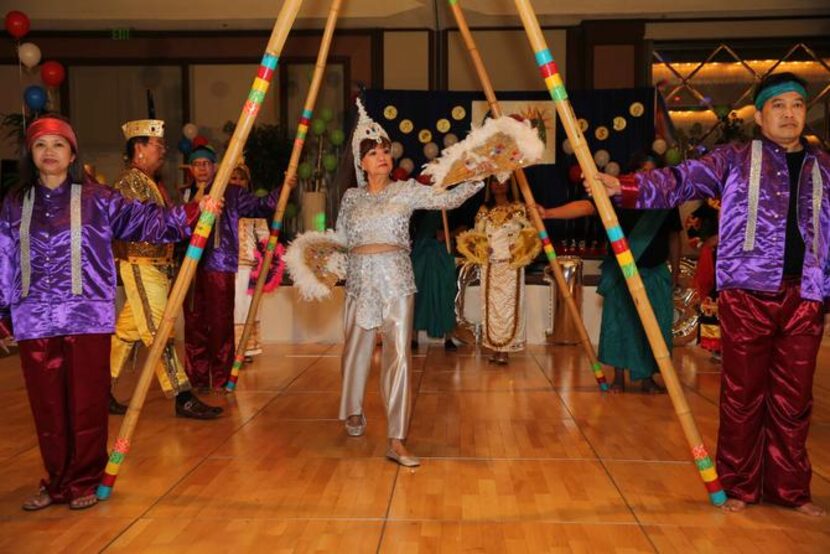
(383, 218)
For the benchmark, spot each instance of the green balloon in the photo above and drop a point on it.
(261, 192)
(290, 211)
(318, 127)
(673, 156)
(326, 114)
(337, 137)
(320, 221)
(330, 162)
(304, 170)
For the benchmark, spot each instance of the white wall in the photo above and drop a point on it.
(217, 93)
(506, 55)
(726, 30)
(406, 60)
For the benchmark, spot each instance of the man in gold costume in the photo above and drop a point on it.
(145, 270)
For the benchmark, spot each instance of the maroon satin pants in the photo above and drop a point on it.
(208, 328)
(68, 381)
(770, 343)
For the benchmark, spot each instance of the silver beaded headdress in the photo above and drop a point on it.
(366, 128)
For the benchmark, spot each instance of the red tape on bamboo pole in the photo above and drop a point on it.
(265, 72)
(524, 187)
(276, 222)
(556, 88)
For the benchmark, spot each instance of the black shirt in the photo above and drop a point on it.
(657, 252)
(793, 241)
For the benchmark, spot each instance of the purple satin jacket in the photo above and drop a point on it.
(238, 203)
(51, 309)
(757, 262)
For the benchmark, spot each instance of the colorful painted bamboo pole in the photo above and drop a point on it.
(250, 109)
(556, 88)
(276, 222)
(524, 187)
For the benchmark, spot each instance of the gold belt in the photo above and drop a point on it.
(145, 260)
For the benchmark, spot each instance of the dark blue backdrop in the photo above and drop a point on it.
(550, 183)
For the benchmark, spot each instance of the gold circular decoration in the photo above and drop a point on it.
(406, 126)
(390, 112)
(425, 136)
(636, 109)
(459, 113)
(601, 133)
(620, 123)
(583, 124)
(443, 125)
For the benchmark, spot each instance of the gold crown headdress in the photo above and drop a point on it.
(366, 128)
(143, 128)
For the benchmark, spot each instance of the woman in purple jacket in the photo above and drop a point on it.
(773, 278)
(57, 295)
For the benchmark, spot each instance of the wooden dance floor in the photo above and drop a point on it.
(528, 458)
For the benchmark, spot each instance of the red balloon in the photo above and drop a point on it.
(17, 24)
(575, 173)
(52, 73)
(199, 140)
(399, 174)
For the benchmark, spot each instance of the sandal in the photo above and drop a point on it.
(83, 502)
(38, 501)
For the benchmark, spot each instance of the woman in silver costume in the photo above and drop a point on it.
(373, 223)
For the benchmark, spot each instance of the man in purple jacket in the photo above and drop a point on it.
(208, 308)
(773, 274)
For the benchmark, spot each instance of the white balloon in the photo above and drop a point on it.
(407, 164)
(602, 157)
(449, 140)
(190, 130)
(397, 150)
(659, 146)
(430, 150)
(29, 54)
(566, 147)
(612, 168)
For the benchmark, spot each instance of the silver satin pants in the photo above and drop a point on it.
(395, 378)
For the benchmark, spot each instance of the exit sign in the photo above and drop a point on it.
(121, 34)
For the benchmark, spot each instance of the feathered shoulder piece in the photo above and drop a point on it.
(473, 245)
(525, 248)
(498, 147)
(316, 261)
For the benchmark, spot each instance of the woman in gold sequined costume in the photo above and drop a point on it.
(503, 242)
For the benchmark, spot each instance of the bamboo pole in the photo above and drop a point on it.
(556, 88)
(446, 231)
(524, 187)
(276, 223)
(283, 24)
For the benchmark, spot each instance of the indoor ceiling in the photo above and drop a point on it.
(259, 14)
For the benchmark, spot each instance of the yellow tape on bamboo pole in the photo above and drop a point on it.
(265, 72)
(556, 88)
(276, 222)
(524, 187)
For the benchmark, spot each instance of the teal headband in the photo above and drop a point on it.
(775, 90)
(202, 152)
